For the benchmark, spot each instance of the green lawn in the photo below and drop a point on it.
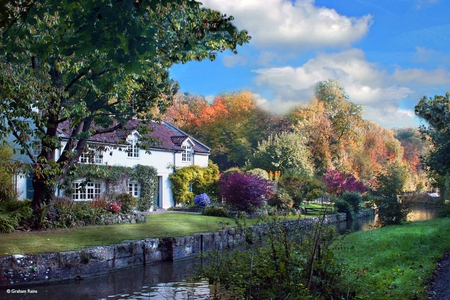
(393, 262)
(157, 226)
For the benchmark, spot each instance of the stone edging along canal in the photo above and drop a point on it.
(19, 269)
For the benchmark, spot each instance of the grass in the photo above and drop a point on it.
(157, 226)
(394, 262)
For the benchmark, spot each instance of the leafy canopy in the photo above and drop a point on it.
(436, 112)
(94, 65)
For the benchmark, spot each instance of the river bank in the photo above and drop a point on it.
(23, 270)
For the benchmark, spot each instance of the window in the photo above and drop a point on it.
(91, 156)
(133, 149)
(89, 191)
(134, 189)
(186, 155)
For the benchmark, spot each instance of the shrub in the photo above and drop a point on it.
(301, 187)
(202, 200)
(216, 211)
(281, 200)
(274, 264)
(245, 192)
(337, 183)
(259, 173)
(390, 211)
(354, 199)
(343, 206)
(114, 207)
(444, 212)
(99, 203)
(72, 214)
(127, 202)
(13, 214)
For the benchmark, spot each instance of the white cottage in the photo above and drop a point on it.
(173, 149)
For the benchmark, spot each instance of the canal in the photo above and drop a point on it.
(158, 281)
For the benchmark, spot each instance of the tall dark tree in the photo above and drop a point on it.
(102, 63)
(436, 112)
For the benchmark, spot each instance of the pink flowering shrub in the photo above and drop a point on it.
(115, 207)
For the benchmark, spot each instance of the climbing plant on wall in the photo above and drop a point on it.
(148, 179)
(193, 180)
(116, 178)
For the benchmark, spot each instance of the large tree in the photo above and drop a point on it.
(94, 65)
(436, 112)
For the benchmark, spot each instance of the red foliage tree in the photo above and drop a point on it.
(338, 183)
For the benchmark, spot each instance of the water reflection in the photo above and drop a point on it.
(422, 213)
(161, 281)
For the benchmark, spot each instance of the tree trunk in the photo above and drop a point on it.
(44, 194)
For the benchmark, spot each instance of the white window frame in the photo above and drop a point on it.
(132, 148)
(90, 191)
(134, 188)
(186, 155)
(86, 158)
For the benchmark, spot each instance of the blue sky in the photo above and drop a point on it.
(387, 54)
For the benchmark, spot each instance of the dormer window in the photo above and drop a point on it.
(133, 149)
(186, 155)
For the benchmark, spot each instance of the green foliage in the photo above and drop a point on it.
(116, 176)
(6, 174)
(392, 181)
(282, 152)
(354, 199)
(81, 64)
(276, 266)
(391, 211)
(444, 212)
(217, 211)
(148, 180)
(74, 214)
(301, 188)
(127, 202)
(281, 200)
(436, 112)
(193, 180)
(14, 213)
(343, 206)
(259, 173)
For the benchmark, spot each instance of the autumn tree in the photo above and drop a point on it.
(283, 152)
(86, 63)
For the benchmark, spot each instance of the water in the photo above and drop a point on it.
(159, 281)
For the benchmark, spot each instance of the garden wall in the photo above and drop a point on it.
(48, 267)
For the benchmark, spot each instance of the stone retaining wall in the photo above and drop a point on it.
(48, 267)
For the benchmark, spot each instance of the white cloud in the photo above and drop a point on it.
(299, 25)
(422, 77)
(363, 81)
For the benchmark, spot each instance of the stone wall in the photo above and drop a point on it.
(47, 267)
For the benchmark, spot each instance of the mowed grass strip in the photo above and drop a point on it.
(157, 226)
(394, 262)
